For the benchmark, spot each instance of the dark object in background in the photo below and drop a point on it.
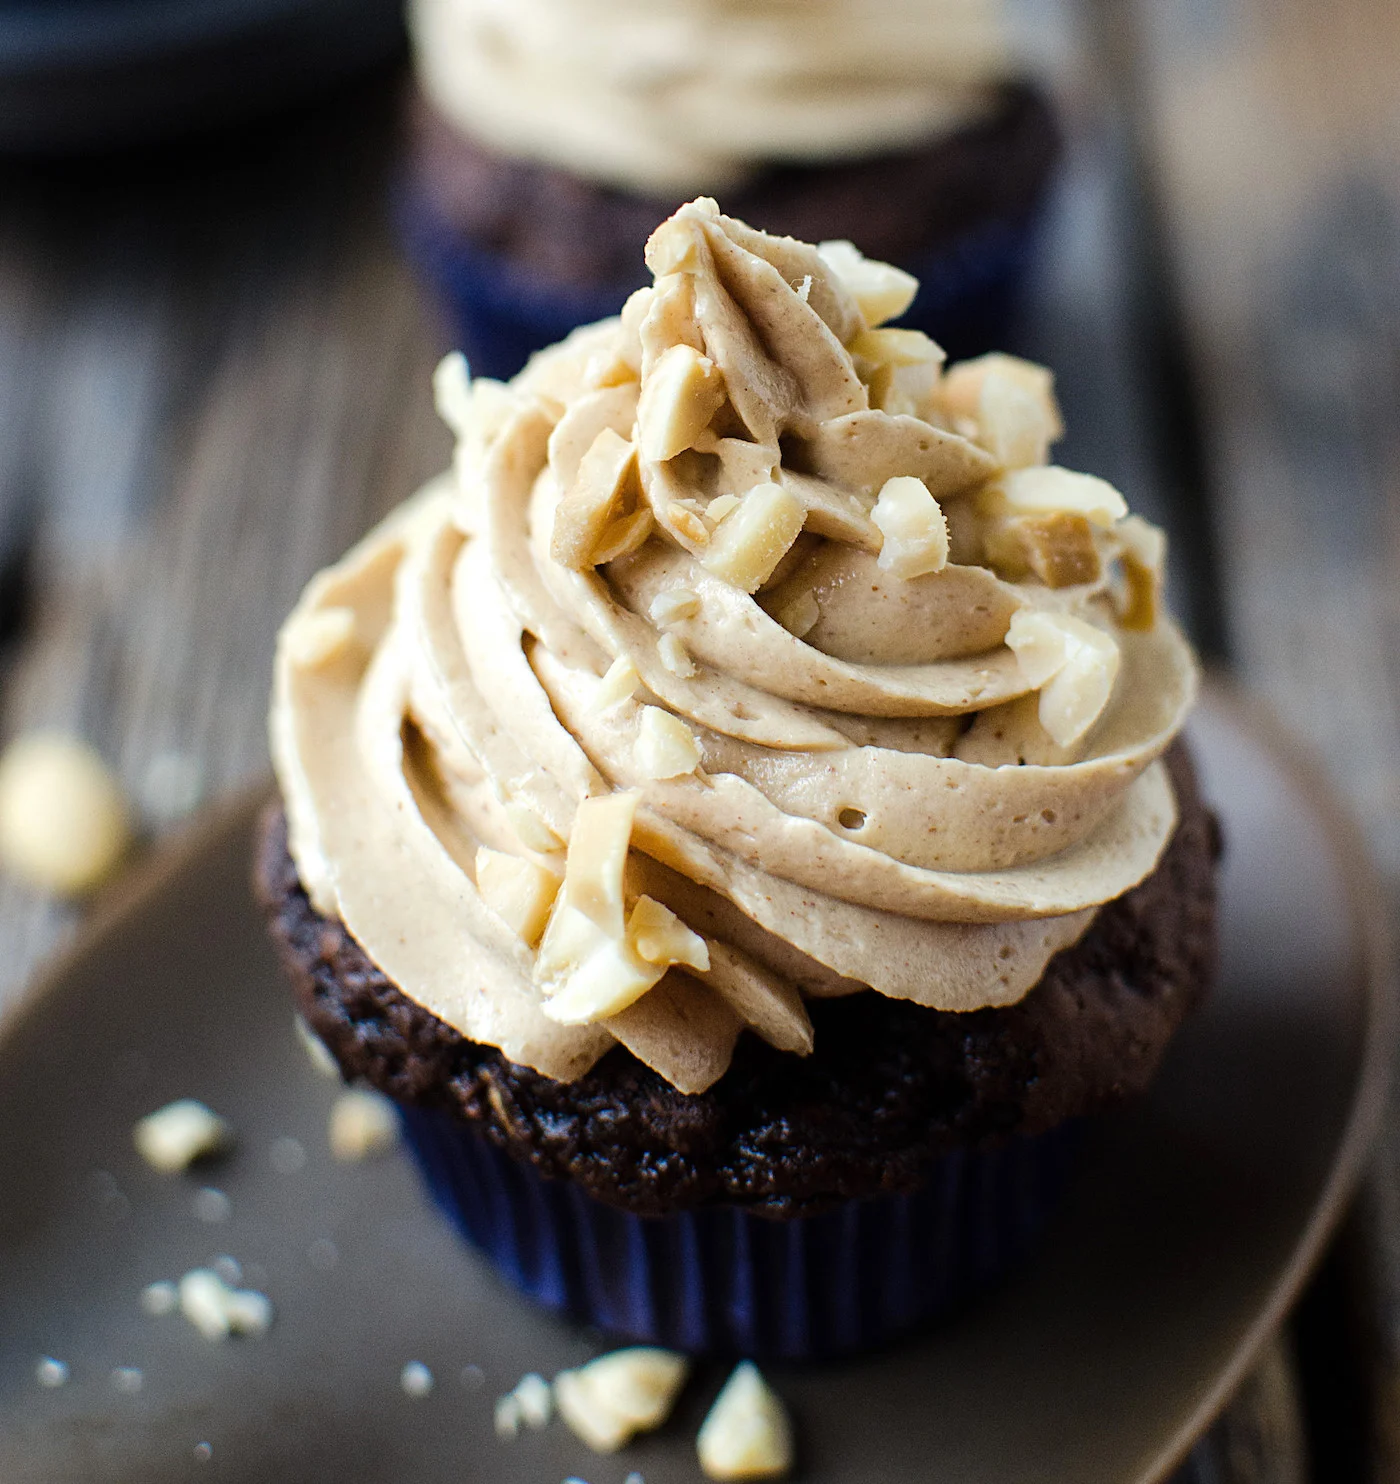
(80, 75)
(524, 252)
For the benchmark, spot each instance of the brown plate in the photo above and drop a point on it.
(1183, 1241)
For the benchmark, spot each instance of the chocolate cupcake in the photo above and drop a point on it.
(738, 813)
(547, 140)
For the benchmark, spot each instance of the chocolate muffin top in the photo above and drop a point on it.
(900, 206)
(889, 1087)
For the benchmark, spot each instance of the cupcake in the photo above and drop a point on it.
(738, 814)
(549, 137)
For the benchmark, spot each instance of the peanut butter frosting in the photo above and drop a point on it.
(670, 96)
(748, 653)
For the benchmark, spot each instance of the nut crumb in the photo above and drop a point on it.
(175, 1136)
(416, 1379)
(362, 1124)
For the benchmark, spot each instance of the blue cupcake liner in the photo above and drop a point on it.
(970, 290)
(721, 1280)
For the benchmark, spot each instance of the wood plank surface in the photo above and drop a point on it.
(1270, 130)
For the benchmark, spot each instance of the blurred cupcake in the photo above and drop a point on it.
(738, 815)
(549, 137)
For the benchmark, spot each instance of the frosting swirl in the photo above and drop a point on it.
(670, 96)
(747, 654)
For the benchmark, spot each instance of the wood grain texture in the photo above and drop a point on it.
(1274, 129)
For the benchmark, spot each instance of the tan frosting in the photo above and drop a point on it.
(678, 95)
(876, 803)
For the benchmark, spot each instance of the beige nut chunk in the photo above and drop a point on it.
(798, 612)
(619, 683)
(362, 1124)
(314, 639)
(452, 392)
(682, 392)
(175, 1136)
(589, 504)
(1144, 553)
(1071, 663)
(597, 859)
(665, 747)
(747, 1434)
(1058, 548)
(623, 536)
(673, 606)
(64, 825)
(1009, 405)
(520, 892)
(722, 505)
(900, 368)
(1055, 491)
(585, 965)
(912, 523)
(881, 290)
(660, 937)
(675, 657)
(755, 536)
(585, 973)
(532, 831)
(611, 1399)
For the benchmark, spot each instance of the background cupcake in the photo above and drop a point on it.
(739, 815)
(548, 138)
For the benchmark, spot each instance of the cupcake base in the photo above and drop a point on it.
(722, 1280)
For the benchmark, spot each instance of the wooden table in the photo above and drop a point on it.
(214, 374)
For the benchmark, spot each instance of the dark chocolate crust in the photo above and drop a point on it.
(899, 207)
(890, 1085)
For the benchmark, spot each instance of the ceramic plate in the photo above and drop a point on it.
(1186, 1235)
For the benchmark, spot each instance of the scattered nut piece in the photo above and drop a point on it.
(588, 506)
(674, 656)
(314, 639)
(624, 536)
(674, 605)
(506, 1417)
(363, 1123)
(747, 1434)
(721, 506)
(881, 291)
(217, 1311)
(598, 846)
(517, 890)
(175, 1136)
(536, 1400)
(665, 747)
(1071, 663)
(912, 523)
(611, 1399)
(316, 1049)
(618, 684)
(660, 937)
(159, 1299)
(755, 536)
(416, 1380)
(64, 825)
(681, 394)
